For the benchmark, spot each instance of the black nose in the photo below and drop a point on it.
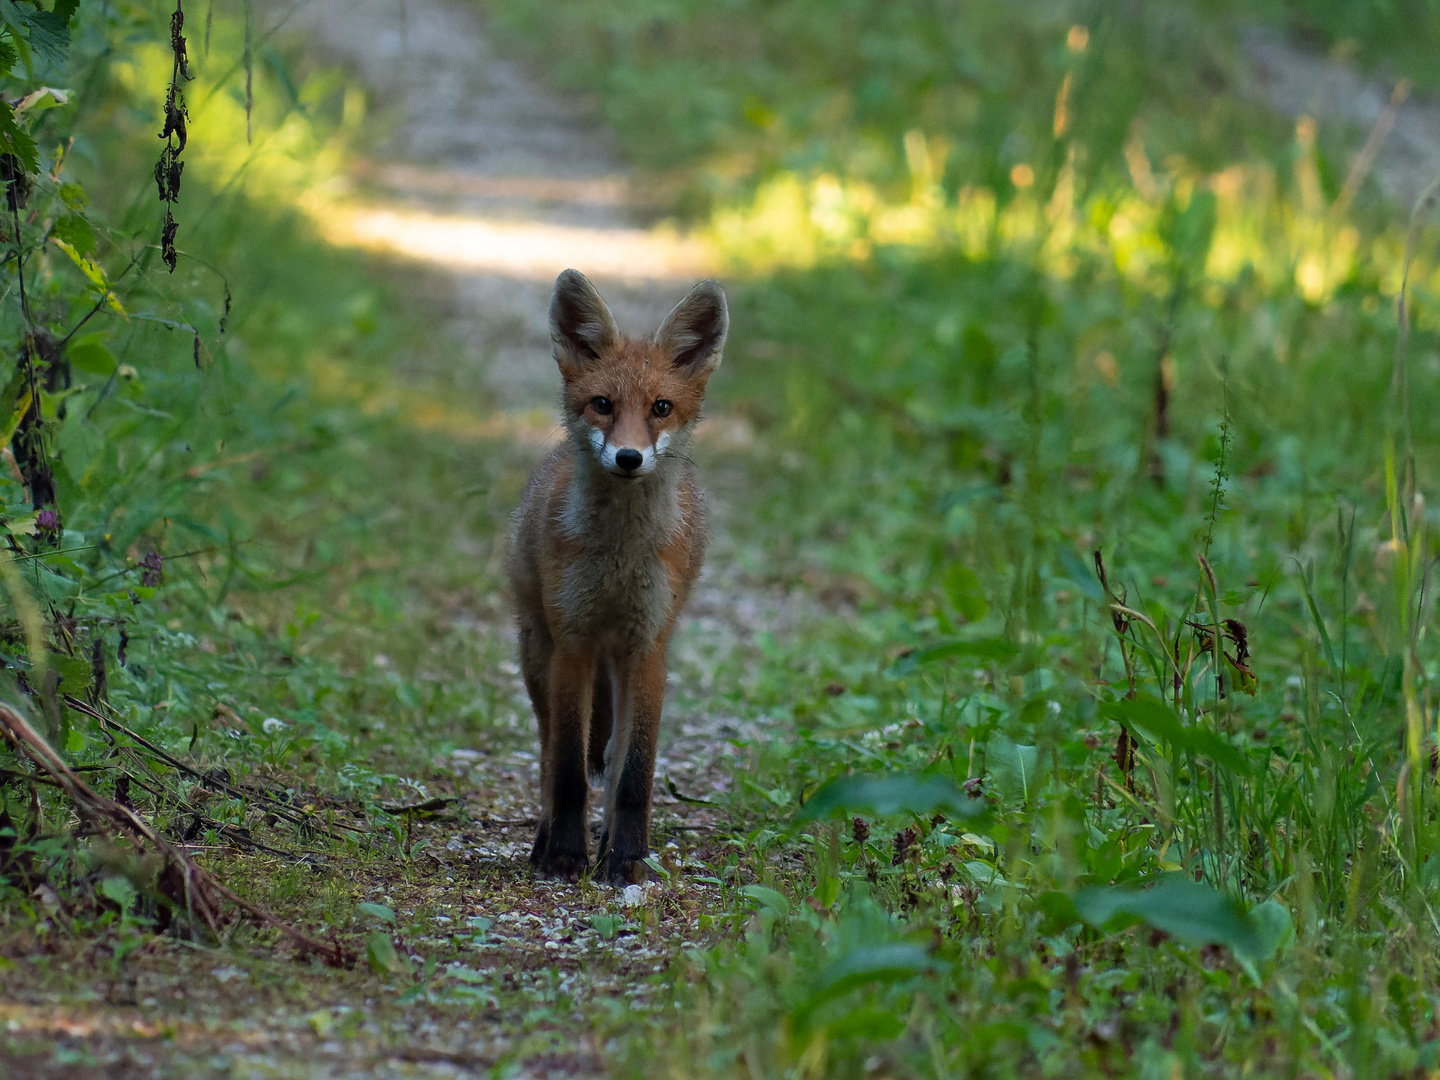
(629, 460)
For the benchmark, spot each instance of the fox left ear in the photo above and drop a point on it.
(581, 326)
(693, 334)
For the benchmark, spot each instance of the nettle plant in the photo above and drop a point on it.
(103, 368)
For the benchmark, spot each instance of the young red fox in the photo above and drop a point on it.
(604, 549)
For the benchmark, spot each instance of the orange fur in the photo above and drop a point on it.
(605, 547)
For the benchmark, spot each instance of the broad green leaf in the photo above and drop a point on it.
(962, 589)
(769, 898)
(1017, 768)
(883, 794)
(606, 925)
(119, 889)
(1080, 575)
(1190, 912)
(24, 525)
(866, 965)
(875, 1025)
(377, 911)
(90, 354)
(75, 673)
(47, 97)
(1158, 720)
(382, 957)
(1059, 910)
(13, 138)
(985, 649)
(979, 648)
(92, 270)
(47, 33)
(75, 231)
(1273, 926)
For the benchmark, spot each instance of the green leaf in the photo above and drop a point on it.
(992, 648)
(65, 10)
(607, 926)
(1059, 911)
(1273, 925)
(1158, 720)
(962, 589)
(13, 138)
(882, 794)
(38, 101)
(1190, 912)
(874, 1025)
(75, 673)
(1080, 575)
(769, 898)
(75, 231)
(869, 964)
(1320, 626)
(1016, 769)
(381, 955)
(119, 889)
(377, 911)
(986, 649)
(46, 32)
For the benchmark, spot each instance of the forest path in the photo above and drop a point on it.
(483, 186)
(493, 179)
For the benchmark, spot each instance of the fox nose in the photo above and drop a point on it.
(628, 459)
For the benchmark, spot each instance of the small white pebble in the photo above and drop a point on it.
(633, 895)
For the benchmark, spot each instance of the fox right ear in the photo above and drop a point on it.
(581, 326)
(693, 334)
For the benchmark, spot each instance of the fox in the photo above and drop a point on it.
(605, 547)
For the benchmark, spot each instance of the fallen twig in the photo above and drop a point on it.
(184, 883)
(209, 780)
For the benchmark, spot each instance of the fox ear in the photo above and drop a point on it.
(693, 334)
(581, 326)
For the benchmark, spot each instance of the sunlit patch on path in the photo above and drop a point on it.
(530, 250)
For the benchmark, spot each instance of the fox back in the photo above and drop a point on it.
(605, 547)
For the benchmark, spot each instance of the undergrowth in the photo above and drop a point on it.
(1120, 758)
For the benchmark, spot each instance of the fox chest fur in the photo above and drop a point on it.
(617, 561)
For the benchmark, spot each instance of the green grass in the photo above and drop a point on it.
(952, 427)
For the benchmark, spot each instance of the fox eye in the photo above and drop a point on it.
(662, 408)
(602, 405)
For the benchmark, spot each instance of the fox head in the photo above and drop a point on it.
(629, 402)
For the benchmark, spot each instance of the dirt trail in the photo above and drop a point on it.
(487, 184)
(492, 178)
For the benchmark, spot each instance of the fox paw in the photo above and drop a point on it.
(624, 870)
(561, 865)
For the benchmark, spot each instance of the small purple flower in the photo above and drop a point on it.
(47, 523)
(153, 566)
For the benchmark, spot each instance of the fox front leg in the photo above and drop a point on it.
(630, 773)
(565, 852)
